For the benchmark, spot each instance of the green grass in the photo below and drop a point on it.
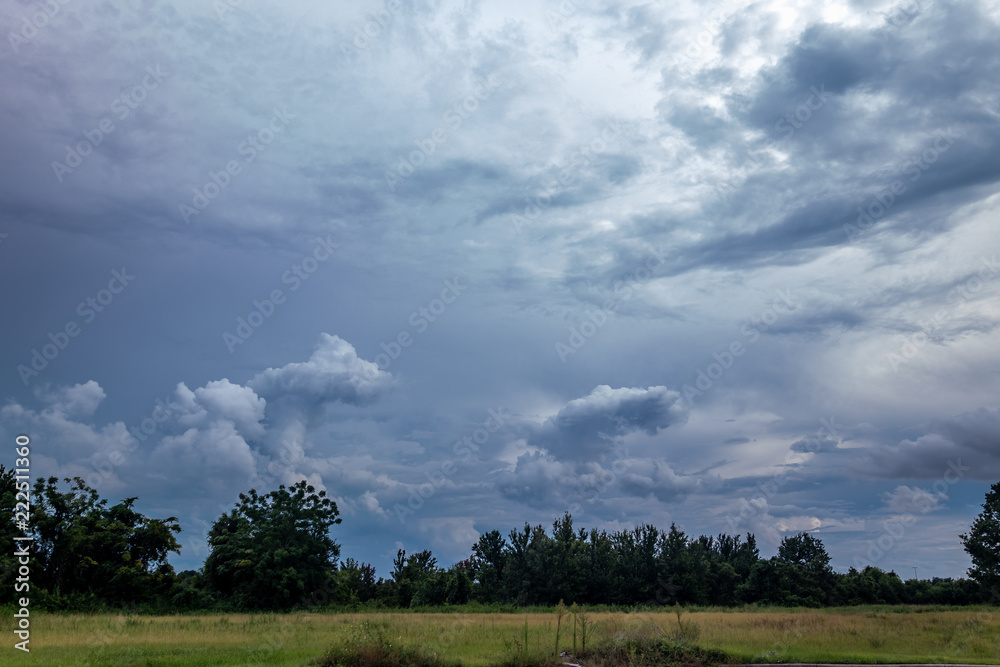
(857, 634)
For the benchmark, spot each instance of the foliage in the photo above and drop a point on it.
(655, 651)
(86, 554)
(274, 550)
(370, 647)
(983, 542)
(356, 582)
(8, 531)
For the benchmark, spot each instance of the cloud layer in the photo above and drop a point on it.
(475, 253)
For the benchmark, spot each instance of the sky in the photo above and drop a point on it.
(466, 265)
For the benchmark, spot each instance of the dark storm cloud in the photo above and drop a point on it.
(587, 428)
(814, 445)
(686, 162)
(965, 445)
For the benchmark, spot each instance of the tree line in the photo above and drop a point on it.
(274, 552)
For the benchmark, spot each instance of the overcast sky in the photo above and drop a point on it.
(469, 264)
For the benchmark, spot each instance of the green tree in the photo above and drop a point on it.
(805, 551)
(635, 573)
(601, 564)
(273, 550)
(566, 573)
(355, 582)
(410, 572)
(803, 567)
(8, 531)
(85, 549)
(982, 543)
(489, 559)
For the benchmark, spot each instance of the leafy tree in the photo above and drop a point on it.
(488, 562)
(355, 582)
(409, 573)
(567, 569)
(741, 555)
(635, 571)
(805, 551)
(676, 569)
(982, 542)
(8, 531)
(871, 586)
(525, 576)
(84, 549)
(460, 583)
(601, 562)
(802, 567)
(273, 550)
(190, 592)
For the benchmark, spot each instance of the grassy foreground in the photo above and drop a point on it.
(866, 634)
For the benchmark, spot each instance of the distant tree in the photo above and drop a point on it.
(355, 582)
(803, 568)
(460, 582)
(567, 567)
(410, 572)
(982, 543)
(677, 571)
(488, 562)
(190, 592)
(635, 571)
(805, 551)
(601, 561)
(741, 555)
(871, 586)
(274, 550)
(764, 584)
(526, 576)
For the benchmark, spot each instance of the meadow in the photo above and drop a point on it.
(854, 634)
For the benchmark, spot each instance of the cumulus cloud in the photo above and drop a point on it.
(650, 477)
(334, 373)
(680, 162)
(80, 400)
(913, 500)
(62, 424)
(219, 399)
(586, 428)
(540, 480)
(218, 455)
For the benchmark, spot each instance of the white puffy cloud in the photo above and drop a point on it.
(234, 402)
(62, 424)
(333, 373)
(80, 400)
(913, 500)
(217, 456)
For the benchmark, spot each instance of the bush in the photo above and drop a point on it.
(378, 654)
(654, 651)
(369, 647)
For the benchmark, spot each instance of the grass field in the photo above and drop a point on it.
(866, 634)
